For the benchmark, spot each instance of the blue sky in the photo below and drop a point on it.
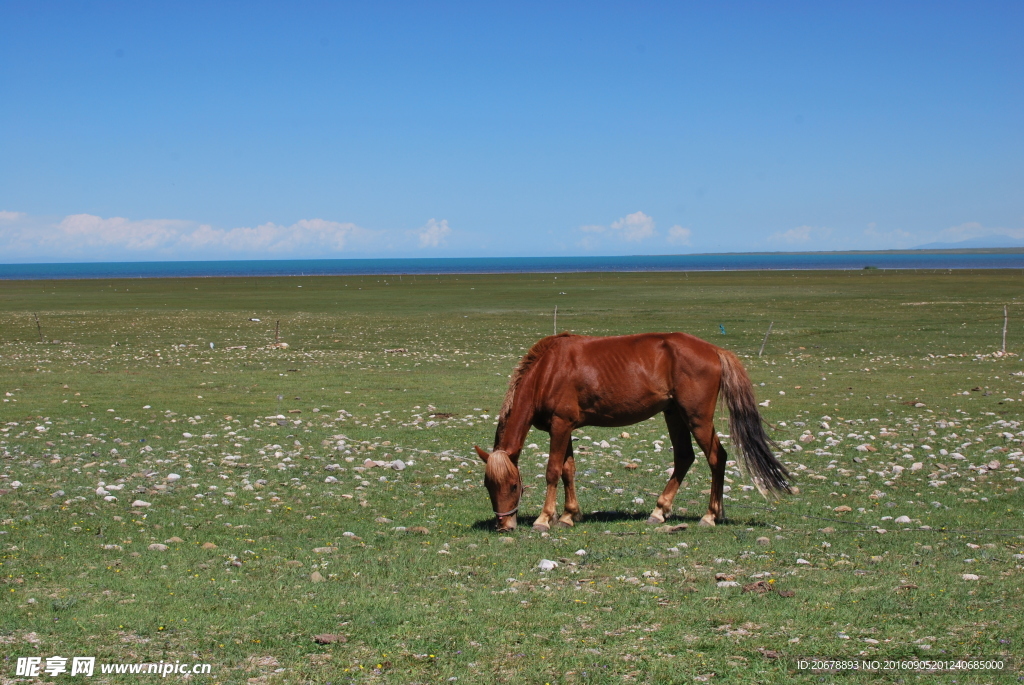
(146, 131)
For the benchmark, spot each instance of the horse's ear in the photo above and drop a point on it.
(482, 454)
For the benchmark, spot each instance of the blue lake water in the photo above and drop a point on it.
(932, 259)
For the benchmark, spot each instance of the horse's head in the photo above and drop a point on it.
(504, 485)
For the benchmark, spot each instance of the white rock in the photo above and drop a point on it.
(803, 561)
(728, 583)
(902, 519)
(957, 456)
(970, 576)
(765, 403)
(638, 500)
(398, 465)
(330, 479)
(173, 477)
(15, 484)
(109, 498)
(547, 565)
(580, 552)
(186, 435)
(916, 466)
(993, 465)
(157, 547)
(101, 492)
(605, 444)
(141, 503)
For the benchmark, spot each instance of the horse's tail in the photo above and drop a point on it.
(755, 457)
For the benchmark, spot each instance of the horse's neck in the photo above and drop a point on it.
(519, 420)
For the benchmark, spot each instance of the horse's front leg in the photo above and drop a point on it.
(572, 512)
(560, 437)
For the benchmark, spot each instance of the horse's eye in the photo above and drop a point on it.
(514, 488)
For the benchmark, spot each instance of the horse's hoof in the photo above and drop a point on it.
(541, 527)
(708, 521)
(655, 521)
(563, 524)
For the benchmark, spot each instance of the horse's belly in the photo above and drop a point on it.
(623, 414)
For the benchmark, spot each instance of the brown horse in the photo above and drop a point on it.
(567, 381)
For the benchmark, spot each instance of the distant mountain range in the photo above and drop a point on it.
(974, 243)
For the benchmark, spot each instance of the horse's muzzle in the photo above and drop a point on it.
(506, 524)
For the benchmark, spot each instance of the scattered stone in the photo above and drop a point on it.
(174, 539)
(902, 519)
(329, 639)
(827, 530)
(419, 529)
(157, 547)
(325, 550)
(728, 583)
(906, 586)
(172, 477)
(316, 577)
(141, 504)
(786, 593)
(654, 589)
(970, 576)
(803, 562)
(209, 545)
(293, 564)
(760, 587)
(382, 519)
(763, 541)
(842, 508)
(547, 565)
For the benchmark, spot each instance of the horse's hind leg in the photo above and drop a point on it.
(708, 440)
(572, 513)
(683, 457)
(561, 434)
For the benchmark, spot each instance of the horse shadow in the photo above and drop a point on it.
(619, 516)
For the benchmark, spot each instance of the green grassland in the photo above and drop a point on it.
(276, 531)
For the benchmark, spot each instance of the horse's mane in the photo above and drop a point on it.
(524, 365)
(500, 467)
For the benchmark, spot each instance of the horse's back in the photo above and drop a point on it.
(622, 378)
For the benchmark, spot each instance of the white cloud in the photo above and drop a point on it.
(86, 236)
(634, 227)
(10, 216)
(799, 235)
(433, 233)
(973, 229)
(677, 235)
(631, 228)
